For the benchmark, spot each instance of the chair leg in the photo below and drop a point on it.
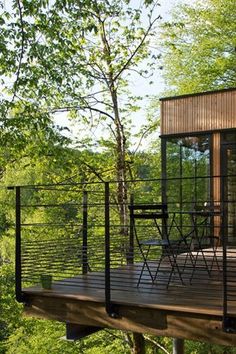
(205, 261)
(140, 276)
(215, 259)
(172, 258)
(194, 267)
(170, 276)
(188, 255)
(145, 264)
(195, 263)
(158, 267)
(174, 266)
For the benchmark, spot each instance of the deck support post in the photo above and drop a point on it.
(139, 343)
(75, 331)
(178, 346)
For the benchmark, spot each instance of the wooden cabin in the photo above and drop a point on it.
(204, 127)
(94, 284)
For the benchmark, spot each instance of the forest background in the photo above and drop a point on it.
(82, 59)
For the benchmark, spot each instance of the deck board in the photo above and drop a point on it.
(189, 311)
(203, 296)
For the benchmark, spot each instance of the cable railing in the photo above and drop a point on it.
(73, 239)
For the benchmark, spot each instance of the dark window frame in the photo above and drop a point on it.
(164, 141)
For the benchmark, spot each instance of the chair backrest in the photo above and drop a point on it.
(150, 212)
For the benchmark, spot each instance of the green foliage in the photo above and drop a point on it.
(199, 47)
(77, 56)
(10, 310)
(72, 56)
(24, 335)
(37, 336)
(193, 347)
(45, 337)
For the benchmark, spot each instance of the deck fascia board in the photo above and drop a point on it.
(187, 308)
(160, 322)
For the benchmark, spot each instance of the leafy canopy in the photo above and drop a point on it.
(68, 56)
(199, 45)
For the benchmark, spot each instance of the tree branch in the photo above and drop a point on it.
(156, 344)
(92, 169)
(21, 50)
(141, 74)
(125, 66)
(142, 137)
(112, 130)
(70, 108)
(97, 75)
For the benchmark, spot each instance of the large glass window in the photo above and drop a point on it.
(187, 169)
(229, 137)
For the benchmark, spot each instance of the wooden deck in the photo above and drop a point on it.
(203, 296)
(150, 308)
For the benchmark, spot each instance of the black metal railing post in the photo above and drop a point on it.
(224, 245)
(18, 280)
(109, 306)
(130, 257)
(229, 322)
(85, 233)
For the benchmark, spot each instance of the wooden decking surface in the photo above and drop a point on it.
(203, 295)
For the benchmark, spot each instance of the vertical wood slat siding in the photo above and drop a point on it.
(211, 111)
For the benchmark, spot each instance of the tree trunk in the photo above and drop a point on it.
(139, 344)
(121, 172)
(119, 136)
(178, 346)
(121, 169)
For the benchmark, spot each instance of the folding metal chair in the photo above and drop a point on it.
(168, 249)
(202, 239)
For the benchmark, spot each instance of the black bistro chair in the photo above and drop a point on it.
(159, 238)
(204, 242)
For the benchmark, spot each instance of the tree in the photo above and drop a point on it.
(77, 56)
(199, 47)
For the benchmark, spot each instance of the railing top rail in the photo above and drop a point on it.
(51, 186)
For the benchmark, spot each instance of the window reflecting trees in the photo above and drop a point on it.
(187, 169)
